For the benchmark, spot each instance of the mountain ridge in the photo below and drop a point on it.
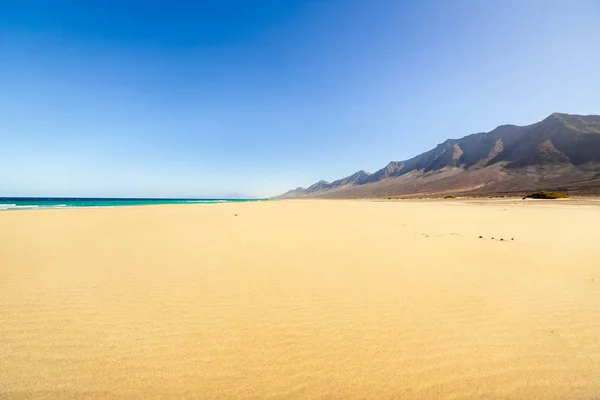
(562, 149)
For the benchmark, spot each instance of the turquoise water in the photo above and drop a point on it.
(24, 203)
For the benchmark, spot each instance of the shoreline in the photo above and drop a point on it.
(21, 204)
(576, 201)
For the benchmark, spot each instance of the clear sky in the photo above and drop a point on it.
(207, 98)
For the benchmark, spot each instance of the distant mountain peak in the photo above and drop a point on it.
(317, 187)
(556, 116)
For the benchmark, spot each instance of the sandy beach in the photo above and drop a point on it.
(302, 300)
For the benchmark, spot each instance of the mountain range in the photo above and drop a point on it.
(561, 152)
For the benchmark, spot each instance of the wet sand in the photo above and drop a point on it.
(302, 300)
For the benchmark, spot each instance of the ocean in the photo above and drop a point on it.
(25, 203)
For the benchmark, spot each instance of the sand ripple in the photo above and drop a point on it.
(310, 300)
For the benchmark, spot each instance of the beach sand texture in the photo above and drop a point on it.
(303, 300)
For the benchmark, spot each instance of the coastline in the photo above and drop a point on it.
(34, 203)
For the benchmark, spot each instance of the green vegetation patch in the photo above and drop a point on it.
(546, 195)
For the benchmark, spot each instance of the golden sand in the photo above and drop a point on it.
(302, 299)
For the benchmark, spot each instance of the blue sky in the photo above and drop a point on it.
(207, 98)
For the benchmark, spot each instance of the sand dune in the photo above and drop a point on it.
(303, 300)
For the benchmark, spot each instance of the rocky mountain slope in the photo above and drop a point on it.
(562, 152)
